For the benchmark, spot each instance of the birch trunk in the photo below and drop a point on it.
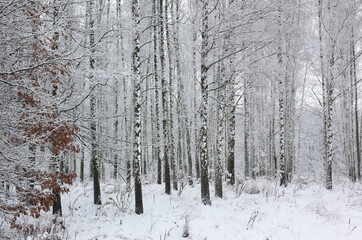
(116, 122)
(246, 130)
(196, 125)
(281, 85)
(56, 162)
(165, 120)
(327, 87)
(220, 135)
(205, 192)
(172, 147)
(231, 136)
(93, 125)
(232, 103)
(355, 87)
(157, 107)
(82, 165)
(137, 108)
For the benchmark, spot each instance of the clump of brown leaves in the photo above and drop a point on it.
(34, 193)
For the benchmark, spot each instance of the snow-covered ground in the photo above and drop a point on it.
(261, 211)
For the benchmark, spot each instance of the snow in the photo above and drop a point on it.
(263, 210)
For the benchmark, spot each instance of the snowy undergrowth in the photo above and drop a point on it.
(257, 210)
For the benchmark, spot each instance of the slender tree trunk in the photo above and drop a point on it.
(32, 153)
(126, 123)
(127, 136)
(252, 138)
(220, 134)
(115, 160)
(116, 104)
(329, 138)
(57, 205)
(321, 57)
(220, 121)
(165, 121)
(355, 87)
(172, 148)
(274, 152)
(157, 107)
(74, 159)
(189, 157)
(137, 108)
(246, 130)
(94, 159)
(93, 125)
(153, 164)
(283, 177)
(100, 102)
(196, 125)
(345, 137)
(82, 165)
(298, 160)
(281, 85)
(231, 135)
(327, 87)
(329, 103)
(205, 192)
(56, 162)
(145, 121)
(350, 130)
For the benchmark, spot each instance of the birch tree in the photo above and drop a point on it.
(164, 95)
(157, 107)
(171, 142)
(205, 192)
(137, 108)
(93, 126)
(327, 60)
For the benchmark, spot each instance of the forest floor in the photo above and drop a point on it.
(258, 210)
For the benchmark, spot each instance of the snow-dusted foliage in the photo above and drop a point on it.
(248, 100)
(34, 132)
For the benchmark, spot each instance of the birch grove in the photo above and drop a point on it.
(175, 93)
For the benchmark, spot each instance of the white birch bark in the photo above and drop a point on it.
(172, 147)
(93, 124)
(205, 192)
(165, 119)
(137, 155)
